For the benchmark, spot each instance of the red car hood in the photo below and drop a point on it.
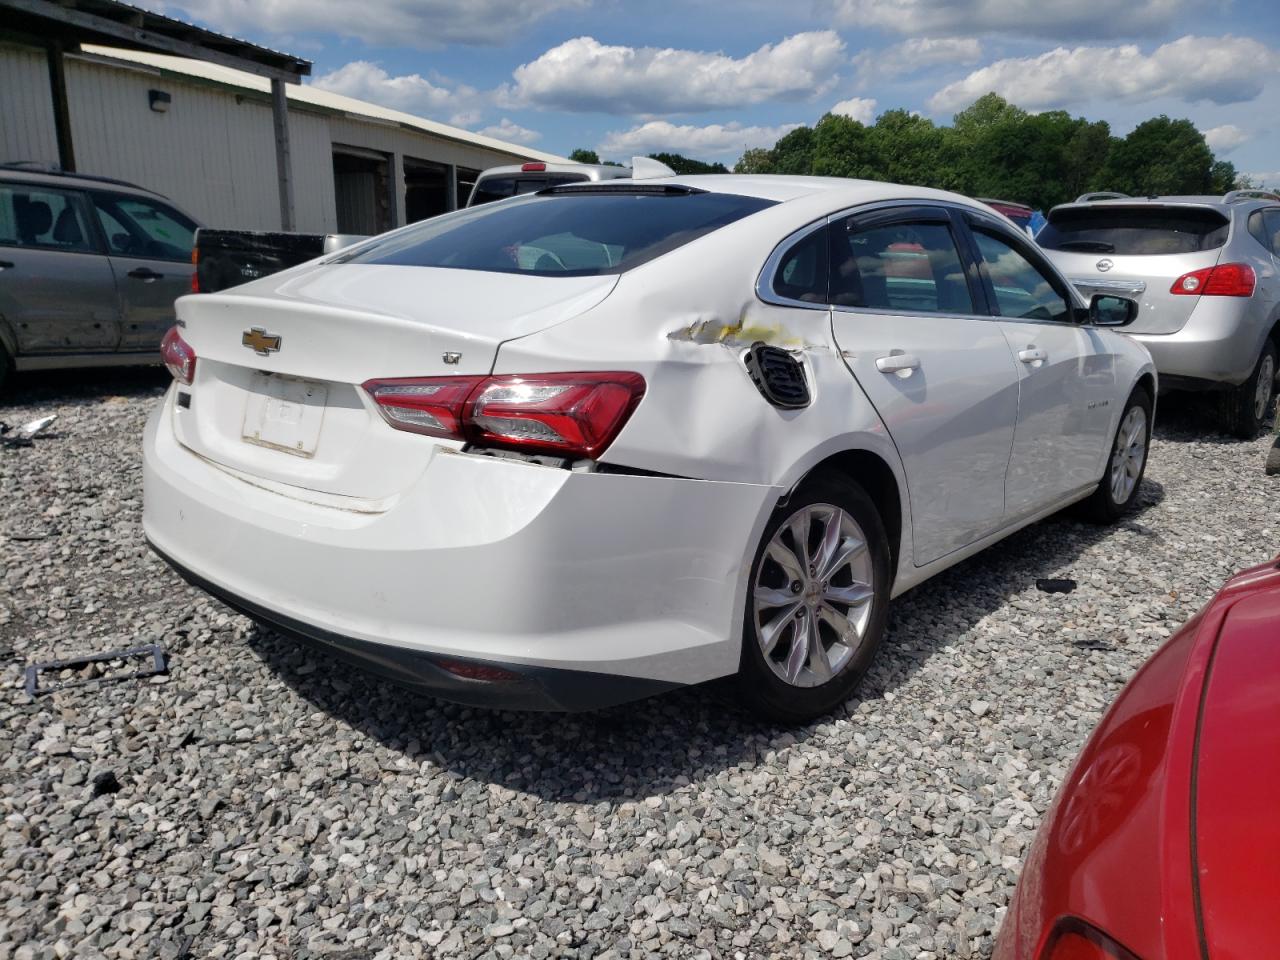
(1237, 777)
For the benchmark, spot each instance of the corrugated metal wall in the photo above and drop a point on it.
(213, 151)
(26, 110)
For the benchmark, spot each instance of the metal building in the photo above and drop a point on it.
(203, 134)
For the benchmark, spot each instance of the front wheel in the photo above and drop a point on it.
(1247, 406)
(818, 601)
(1127, 463)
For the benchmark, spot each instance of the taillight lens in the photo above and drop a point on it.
(564, 414)
(195, 269)
(575, 414)
(1224, 280)
(1075, 940)
(178, 356)
(426, 405)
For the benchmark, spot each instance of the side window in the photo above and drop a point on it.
(1258, 229)
(1271, 219)
(802, 272)
(48, 219)
(138, 227)
(907, 266)
(1021, 289)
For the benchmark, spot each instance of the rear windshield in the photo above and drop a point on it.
(1134, 231)
(499, 188)
(561, 235)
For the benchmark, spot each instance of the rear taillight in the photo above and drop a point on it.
(533, 167)
(1074, 940)
(563, 414)
(195, 269)
(178, 356)
(427, 405)
(1224, 280)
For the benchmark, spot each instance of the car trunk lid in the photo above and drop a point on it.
(280, 362)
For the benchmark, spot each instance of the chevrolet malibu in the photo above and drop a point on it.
(590, 444)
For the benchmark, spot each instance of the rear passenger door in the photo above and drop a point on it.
(1066, 373)
(57, 292)
(149, 243)
(912, 325)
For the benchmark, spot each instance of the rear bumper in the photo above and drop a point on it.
(1218, 344)
(523, 687)
(570, 580)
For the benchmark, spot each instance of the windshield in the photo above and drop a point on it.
(569, 234)
(1134, 231)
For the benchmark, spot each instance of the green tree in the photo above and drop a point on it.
(582, 155)
(755, 160)
(1160, 156)
(794, 152)
(684, 165)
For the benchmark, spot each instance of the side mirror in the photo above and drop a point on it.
(1107, 310)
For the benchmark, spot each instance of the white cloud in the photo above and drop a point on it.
(916, 54)
(426, 24)
(861, 109)
(1220, 69)
(714, 141)
(412, 93)
(511, 132)
(1054, 19)
(1226, 138)
(585, 75)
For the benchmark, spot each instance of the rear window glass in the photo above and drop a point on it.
(1134, 231)
(499, 188)
(575, 235)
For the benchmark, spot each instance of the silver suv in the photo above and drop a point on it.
(1206, 271)
(89, 270)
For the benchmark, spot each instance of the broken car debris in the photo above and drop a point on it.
(152, 650)
(23, 435)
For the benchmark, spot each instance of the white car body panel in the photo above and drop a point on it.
(636, 568)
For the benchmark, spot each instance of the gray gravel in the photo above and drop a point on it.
(270, 805)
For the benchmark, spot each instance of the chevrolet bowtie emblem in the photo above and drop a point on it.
(260, 342)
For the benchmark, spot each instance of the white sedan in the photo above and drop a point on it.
(582, 446)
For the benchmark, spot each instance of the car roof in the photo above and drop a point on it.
(61, 178)
(782, 188)
(1222, 204)
(603, 171)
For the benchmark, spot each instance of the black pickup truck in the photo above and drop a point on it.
(227, 258)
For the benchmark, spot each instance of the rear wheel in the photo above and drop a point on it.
(1127, 463)
(1247, 407)
(818, 602)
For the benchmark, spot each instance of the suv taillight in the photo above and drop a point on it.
(563, 414)
(1224, 280)
(178, 356)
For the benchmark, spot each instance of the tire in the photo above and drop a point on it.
(1246, 408)
(1126, 464)
(854, 593)
(6, 368)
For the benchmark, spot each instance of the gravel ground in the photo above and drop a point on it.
(261, 803)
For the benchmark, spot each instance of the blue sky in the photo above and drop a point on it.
(711, 79)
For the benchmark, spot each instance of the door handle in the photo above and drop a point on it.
(898, 362)
(6, 264)
(1033, 354)
(145, 274)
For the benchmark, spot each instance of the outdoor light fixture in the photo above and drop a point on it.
(159, 100)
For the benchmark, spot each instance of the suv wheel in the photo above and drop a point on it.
(1247, 407)
(1118, 490)
(818, 601)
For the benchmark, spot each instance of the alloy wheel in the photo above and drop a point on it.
(813, 595)
(1266, 383)
(1129, 455)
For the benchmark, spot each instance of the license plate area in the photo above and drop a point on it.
(284, 413)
